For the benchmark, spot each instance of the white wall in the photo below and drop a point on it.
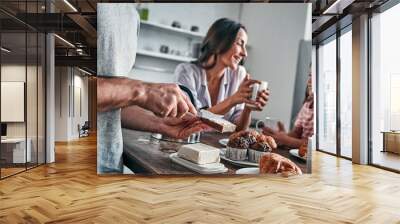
(80, 83)
(188, 14)
(68, 82)
(13, 101)
(274, 32)
(33, 126)
(16, 73)
(61, 103)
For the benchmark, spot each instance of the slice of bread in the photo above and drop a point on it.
(217, 122)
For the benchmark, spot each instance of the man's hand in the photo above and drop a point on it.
(173, 121)
(165, 100)
(275, 163)
(183, 127)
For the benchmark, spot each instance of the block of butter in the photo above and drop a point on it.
(199, 153)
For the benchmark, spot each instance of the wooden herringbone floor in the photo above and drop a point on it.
(69, 191)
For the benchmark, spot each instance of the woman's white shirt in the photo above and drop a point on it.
(194, 78)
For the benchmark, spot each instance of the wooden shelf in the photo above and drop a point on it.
(153, 69)
(165, 56)
(173, 29)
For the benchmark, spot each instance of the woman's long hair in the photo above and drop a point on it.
(219, 39)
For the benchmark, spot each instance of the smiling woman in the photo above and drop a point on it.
(217, 80)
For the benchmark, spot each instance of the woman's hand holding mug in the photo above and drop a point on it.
(259, 96)
(244, 92)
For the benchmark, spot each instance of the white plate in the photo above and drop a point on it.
(295, 153)
(203, 169)
(250, 170)
(224, 141)
(243, 163)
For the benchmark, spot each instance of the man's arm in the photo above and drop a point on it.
(114, 93)
(137, 118)
(164, 100)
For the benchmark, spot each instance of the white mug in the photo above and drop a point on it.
(254, 91)
(257, 88)
(267, 122)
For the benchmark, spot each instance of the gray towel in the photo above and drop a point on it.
(117, 32)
